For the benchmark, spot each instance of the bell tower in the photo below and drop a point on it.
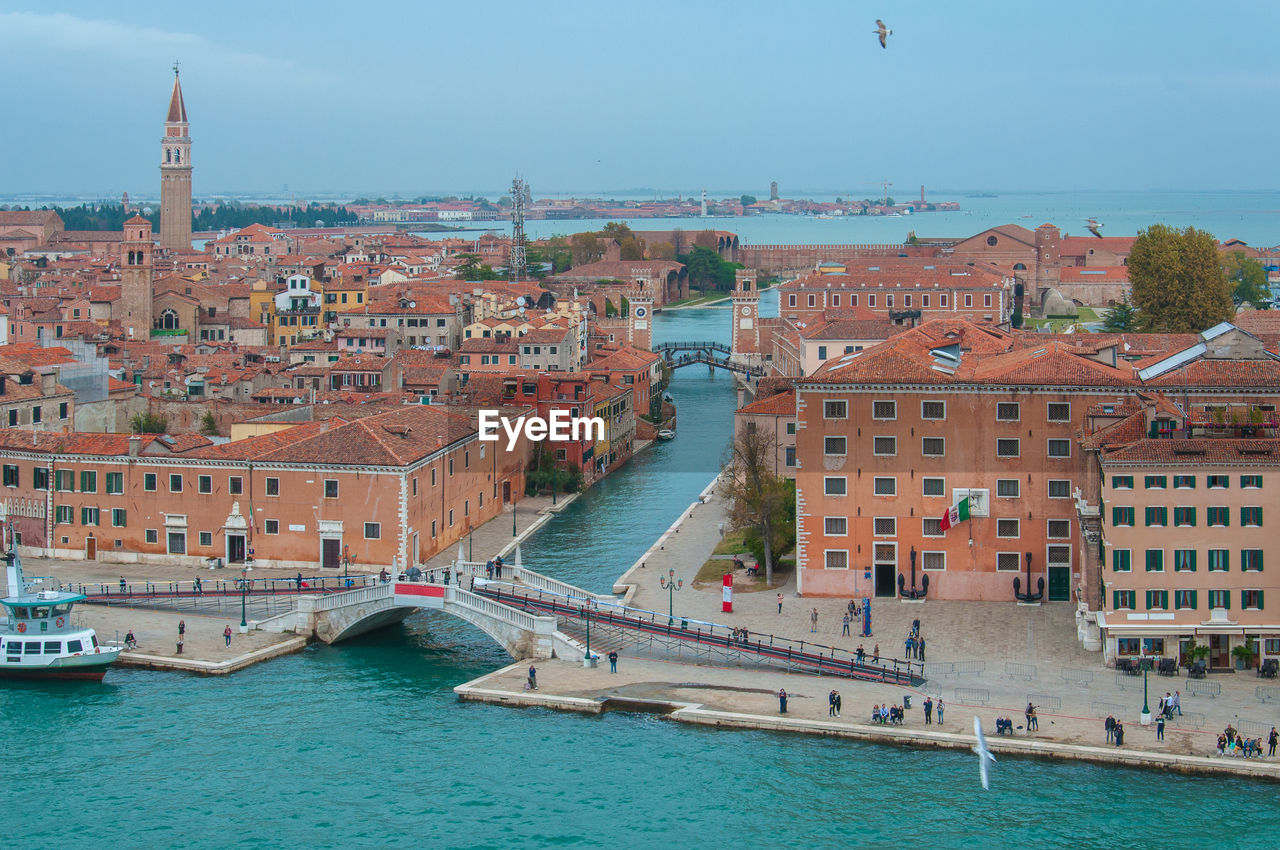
(135, 279)
(640, 324)
(175, 174)
(746, 314)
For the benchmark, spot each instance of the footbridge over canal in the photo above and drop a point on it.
(715, 355)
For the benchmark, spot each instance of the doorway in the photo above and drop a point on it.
(331, 553)
(886, 568)
(91, 549)
(1220, 651)
(1059, 584)
(506, 492)
(235, 549)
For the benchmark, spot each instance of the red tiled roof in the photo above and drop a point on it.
(778, 404)
(1197, 452)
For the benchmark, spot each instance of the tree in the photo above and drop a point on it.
(1015, 320)
(148, 423)
(759, 500)
(1122, 317)
(708, 270)
(468, 266)
(1179, 285)
(1248, 279)
(586, 248)
(208, 425)
(747, 200)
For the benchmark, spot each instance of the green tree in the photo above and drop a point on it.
(1015, 320)
(208, 425)
(1122, 317)
(747, 200)
(586, 248)
(468, 266)
(759, 500)
(1248, 279)
(1179, 285)
(148, 423)
(707, 270)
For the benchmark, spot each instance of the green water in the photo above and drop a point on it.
(364, 744)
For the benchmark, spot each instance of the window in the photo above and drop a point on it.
(834, 446)
(885, 526)
(1008, 488)
(206, 538)
(273, 486)
(152, 536)
(10, 475)
(1251, 560)
(40, 478)
(822, 352)
(235, 485)
(1251, 600)
(1184, 560)
(884, 410)
(1157, 516)
(1059, 448)
(933, 486)
(1155, 482)
(1219, 599)
(1059, 411)
(835, 410)
(119, 519)
(1007, 528)
(63, 515)
(1007, 448)
(1251, 482)
(789, 456)
(1121, 560)
(837, 559)
(1059, 488)
(1184, 482)
(65, 480)
(1007, 411)
(1123, 600)
(886, 486)
(933, 446)
(1219, 560)
(175, 483)
(885, 446)
(271, 526)
(1251, 516)
(1218, 516)
(373, 531)
(1158, 599)
(204, 484)
(331, 487)
(89, 516)
(1184, 600)
(1008, 562)
(63, 410)
(931, 527)
(1155, 560)
(791, 429)
(13, 417)
(1217, 482)
(933, 561)
(177, 543)
(115, 483)
(1122, 482)
(37, 415)
(1059, 528)
(933, 410)
(835, 486)
(88, 481)
(1184, 516)
(835, 526)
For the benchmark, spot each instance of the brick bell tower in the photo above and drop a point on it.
(135, 279)
(175, 174)
(746, 314)
(640, 326)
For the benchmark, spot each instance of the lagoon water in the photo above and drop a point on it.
(364, 743)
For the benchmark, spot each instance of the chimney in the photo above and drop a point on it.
(48, 383)
(135, 446)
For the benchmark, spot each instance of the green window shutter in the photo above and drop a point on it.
(1115, 516)
(1164, 599)
(1115, 600)
(1260, 605)
(1194, 605)
(1191, 516)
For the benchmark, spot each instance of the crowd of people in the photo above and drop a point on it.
(888, 715)
(1232, 743)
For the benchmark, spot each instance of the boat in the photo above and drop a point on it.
(38, 639)
(666, 434)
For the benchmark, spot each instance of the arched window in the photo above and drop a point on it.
(991, 240)
(177, 155)
(1019, 267)
(168, 155)
(168, 320)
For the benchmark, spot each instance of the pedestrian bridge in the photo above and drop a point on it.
(715, 355)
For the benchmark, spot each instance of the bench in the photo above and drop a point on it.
(1198, 688)
(1077, 677)
(981, 696)
(1022, 671)
(1266, 692)
(1049, 701)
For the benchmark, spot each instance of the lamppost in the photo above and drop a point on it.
(670, 584)
(1145, 663)
(470, 539)
(244, 593)
(347, 560)
(586, 613)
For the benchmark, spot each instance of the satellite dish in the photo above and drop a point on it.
(413, 303)
(521, 301)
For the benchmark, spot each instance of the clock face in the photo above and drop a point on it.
(641, 312)
(746, 311)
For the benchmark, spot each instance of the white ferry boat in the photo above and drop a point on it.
(38, 640)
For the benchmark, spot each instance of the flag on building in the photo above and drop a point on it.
(958, 514)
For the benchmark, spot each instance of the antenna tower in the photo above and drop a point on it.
(517, 263)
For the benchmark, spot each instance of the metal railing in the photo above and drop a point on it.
(497, 610)
(112, 593)
(369, 593)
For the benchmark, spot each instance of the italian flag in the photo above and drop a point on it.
(958, 514)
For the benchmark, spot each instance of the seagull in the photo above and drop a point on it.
(1093, 226)
(984, 755)
(882, 32)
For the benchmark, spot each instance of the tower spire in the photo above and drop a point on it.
(175, 173)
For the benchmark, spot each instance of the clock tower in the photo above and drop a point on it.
(746, 315)
(175, 174)
(640, 325)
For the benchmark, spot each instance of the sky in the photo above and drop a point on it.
(415, 98)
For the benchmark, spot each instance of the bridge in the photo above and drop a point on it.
(679, 354)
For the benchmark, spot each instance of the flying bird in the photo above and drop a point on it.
(1093, 226)
(882, 32)
(984, 755)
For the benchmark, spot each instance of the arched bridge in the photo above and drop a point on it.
(715, 355)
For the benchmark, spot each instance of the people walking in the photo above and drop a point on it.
(910, 645)
(1177, 702)
(813, 621)
(782, 700)
(226, 635)
(1160, 728)
(861, 653)
(875, 654)
(920, 650)
(779, 603)
(124, 585)
(613, 661)
(939, 708)
(844, 630)
(199, 586)
(298, 579)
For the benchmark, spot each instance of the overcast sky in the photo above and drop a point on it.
(375, 97)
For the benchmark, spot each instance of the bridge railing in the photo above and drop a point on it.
(675, 345)
(353, 597)
(499, 611)
(144, 590)
(551, 585)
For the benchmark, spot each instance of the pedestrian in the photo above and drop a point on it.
(1271, 742)
(1160, 728)
(939, 707)
(226, 635)
(613, 661)
(1110, 725)
(838, 702)
(1119, 733)
(124, 585)
(779, 603)
(909, 643)
(130, 641)
(813, 621)
(382, 576)
(533, 677)
(844, 631)
(1177, 702)
(199, 586)
(831, 703)
(920, 649)
(179, 645)
(782, 701)
(1031, 709)
(875, 654)
(1035, 720)
(928, 711)
(299, 581)
(852, 609)
(862, 654)
(182, 628)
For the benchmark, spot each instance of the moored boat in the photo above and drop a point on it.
(666, 434)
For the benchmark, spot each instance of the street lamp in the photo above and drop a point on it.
(244, 593)
(586, 613)
(1145, 663)
(347, 560)
(670, 584)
